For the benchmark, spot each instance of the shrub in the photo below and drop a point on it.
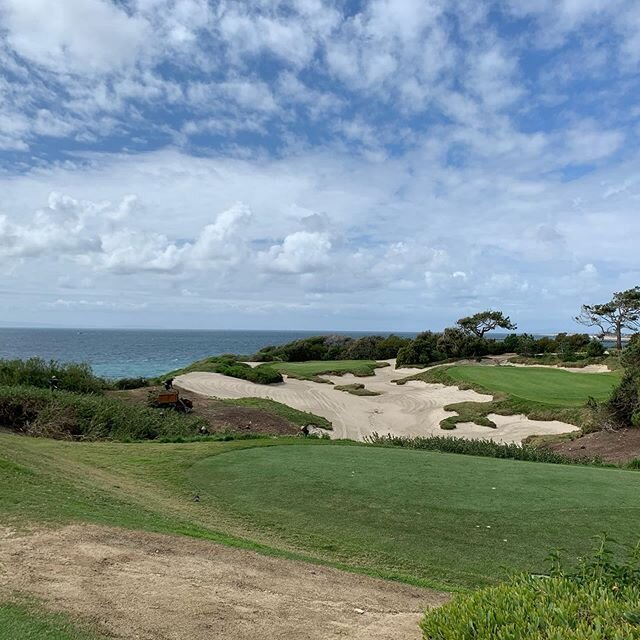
(66, 415)
(595, 349)
(485, 448)
(600, 599)
(37, 372)
(124, 384)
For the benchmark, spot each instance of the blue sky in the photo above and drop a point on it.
(373, 165)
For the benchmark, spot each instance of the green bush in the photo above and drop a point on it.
(66, 415)
(595, 349)
(598, 600)
(484, 448)
(124, 384)
(36, 372)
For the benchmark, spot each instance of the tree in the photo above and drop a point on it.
(485, 321)
(621, 312)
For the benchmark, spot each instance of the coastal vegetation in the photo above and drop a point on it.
(229, 365)
(333, 347)
(621, 312)
(600, 598)
(314, 369)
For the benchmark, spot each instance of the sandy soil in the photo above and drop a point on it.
(611, 446)
(155, 587)
(413, 409)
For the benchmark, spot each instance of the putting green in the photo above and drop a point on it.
(451, 520)
(544, 385)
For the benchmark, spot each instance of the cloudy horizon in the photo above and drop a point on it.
(308, 164)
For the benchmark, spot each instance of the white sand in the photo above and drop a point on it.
(412, 409)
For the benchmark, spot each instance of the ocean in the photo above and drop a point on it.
(123, 353)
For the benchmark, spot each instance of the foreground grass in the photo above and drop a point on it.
(295, 416)
(25, 621)
(425, 518)
(538, 393)
(312, 369)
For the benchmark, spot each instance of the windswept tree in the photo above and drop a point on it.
(485, 321)
(621, 312)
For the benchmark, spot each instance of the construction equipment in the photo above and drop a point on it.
(171, 399)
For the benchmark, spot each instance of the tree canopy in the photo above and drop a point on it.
(621, 312)
(485, 321)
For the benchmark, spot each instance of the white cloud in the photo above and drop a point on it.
(77, 36)
(300, 252)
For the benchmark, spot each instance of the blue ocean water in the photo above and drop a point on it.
(120, 353)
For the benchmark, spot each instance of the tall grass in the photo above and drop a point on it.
(484, 448)
(36, 372)
(67, 415)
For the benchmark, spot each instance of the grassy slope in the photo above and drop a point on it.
(297, 417)
(313, 368)
(426, 515)
(19, 621)
(411, 515)
(541, 394)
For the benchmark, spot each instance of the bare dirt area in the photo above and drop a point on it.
(221, 416)
(611, 446)
(156, 587)
(413, 409)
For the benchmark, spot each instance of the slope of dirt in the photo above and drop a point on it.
(156, 587)
(221, 416)
(611, 446)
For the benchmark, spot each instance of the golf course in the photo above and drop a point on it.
(374, 530)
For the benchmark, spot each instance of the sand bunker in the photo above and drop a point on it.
(412, 409)
(155, 587)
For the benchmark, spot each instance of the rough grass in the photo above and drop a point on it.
(356, 389)
(62, 414)
(26, 621)
(540, 394)
(297, 417)
(313, 369)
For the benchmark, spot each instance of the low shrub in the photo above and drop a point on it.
(484, 448)
(599, 600)
(37, 372)
(125, 384)
(67, 415)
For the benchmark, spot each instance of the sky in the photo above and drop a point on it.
(313, 164)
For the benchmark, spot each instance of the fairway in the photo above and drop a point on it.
(455, 520)
(328, 367)
(544, 385)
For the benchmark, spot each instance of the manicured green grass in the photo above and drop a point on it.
(546, 386)
(300, 418)
(538, 393)
(26, 622)
(416, 516)
(456, 520)
(312, 369)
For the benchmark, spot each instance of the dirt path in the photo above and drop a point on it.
(412, 409)
(156, 587)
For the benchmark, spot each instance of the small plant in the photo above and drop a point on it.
(485, 448)
(599, 599)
